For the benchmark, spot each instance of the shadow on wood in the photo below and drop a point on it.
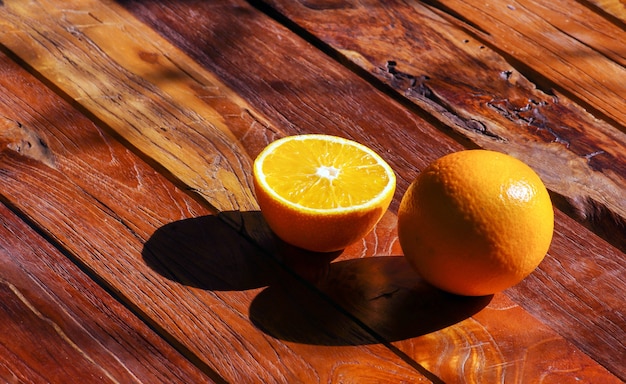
(207, 253)
(308, 298)
(381, 293)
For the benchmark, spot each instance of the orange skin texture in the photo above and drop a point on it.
(475, 222)
(318, 232)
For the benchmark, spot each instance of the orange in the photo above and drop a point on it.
(320, 192)
(475, 222)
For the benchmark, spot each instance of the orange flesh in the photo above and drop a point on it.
(326, 175)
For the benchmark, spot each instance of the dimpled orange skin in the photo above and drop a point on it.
(475, 222)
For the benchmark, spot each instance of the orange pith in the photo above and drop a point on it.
(321, 192)
(476, 222)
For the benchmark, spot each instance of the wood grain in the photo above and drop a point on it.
(579, 51)
(579, 276)
(498, 342)
(226, 303)
(182, 269)
(133, 93)
(70, 62)
(59, 326)
(258, 73)
(609, 8)
(175, 274)
(468, 80)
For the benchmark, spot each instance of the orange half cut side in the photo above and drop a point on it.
(321, 189)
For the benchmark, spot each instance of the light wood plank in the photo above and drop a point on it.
(127, 76)
(100, 55)
(616, 8)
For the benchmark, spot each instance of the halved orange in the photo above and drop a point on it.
(320, 192)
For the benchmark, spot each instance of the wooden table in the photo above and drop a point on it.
(131, 246)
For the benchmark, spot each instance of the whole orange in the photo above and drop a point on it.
(475, 222)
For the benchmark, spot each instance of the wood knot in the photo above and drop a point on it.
(24, 141)
(149, 57)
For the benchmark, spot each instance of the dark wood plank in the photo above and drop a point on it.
(597, 338)
(579, 51)
(184, 270)
(495, 98)
(581, 281)
(385, 294)
(59, 326)
(501, 342)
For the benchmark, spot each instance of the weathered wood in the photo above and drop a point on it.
(58, 326)
(103, 59)
(497, 343)
(431, 59)
(87, 40)
(201, 253)
(579, 51)
(287, 106)
(184, 270)
(297, 100)
(580, 276)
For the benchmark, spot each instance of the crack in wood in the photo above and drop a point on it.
(415, 87)
(530, 115)
(451, 13)
(385, 295)
(59, 331)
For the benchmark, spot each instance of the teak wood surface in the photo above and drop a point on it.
(131, 245)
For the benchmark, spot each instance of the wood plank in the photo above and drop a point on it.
(353, 96)
(134, 98)
(499, 343)
(579, 51)
(186, 272)
(59, 326)
(615, 8)
(277, 305)
(551, 294)
(439, 65)
(597, 331)
(585, 277)
(142, 87)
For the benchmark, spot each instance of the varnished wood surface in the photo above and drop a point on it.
(58, 324)
(127, 132)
